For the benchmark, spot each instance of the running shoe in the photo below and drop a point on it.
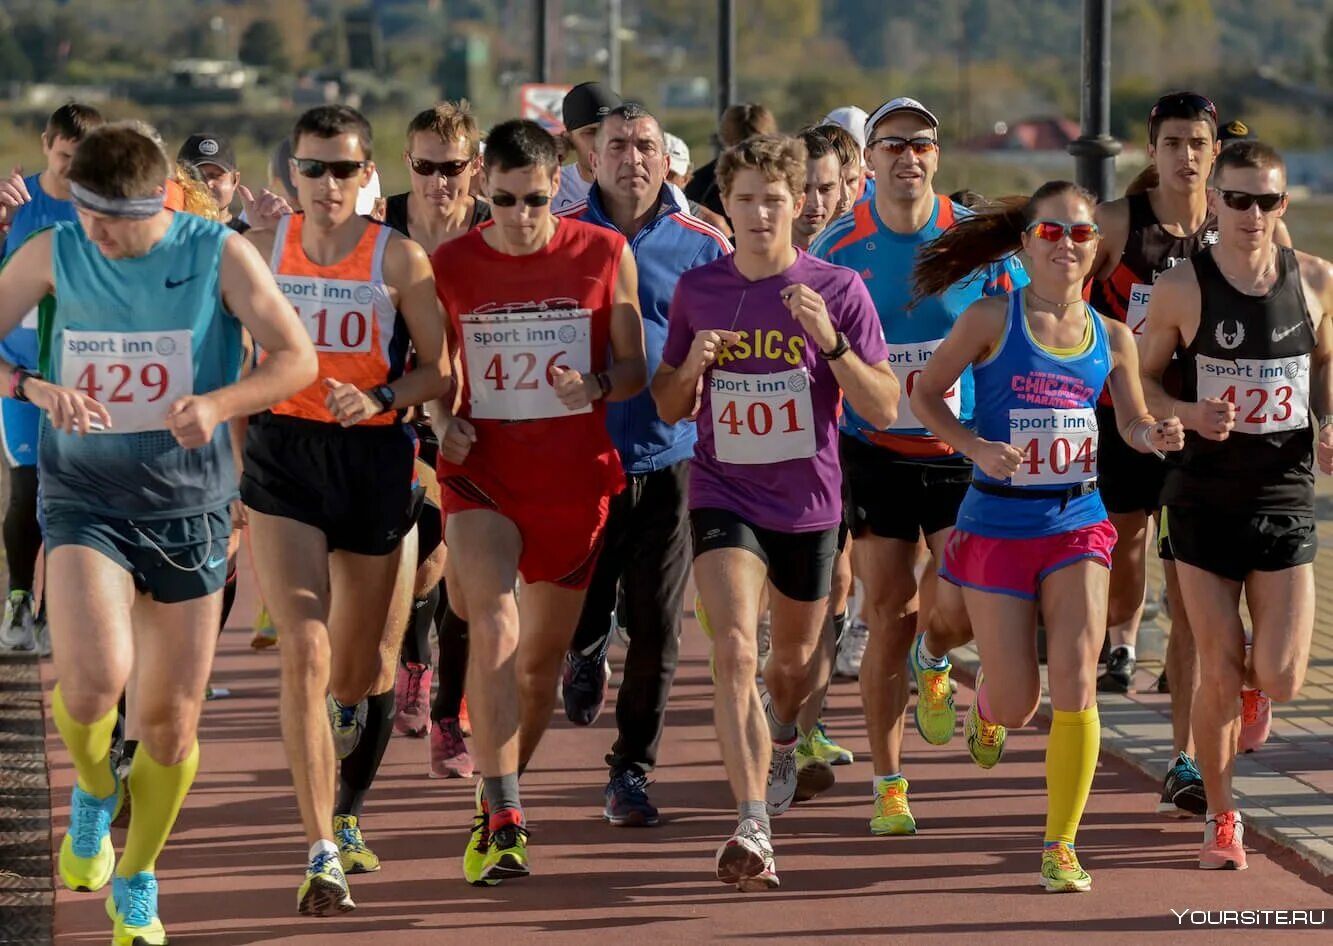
(892, 814)
(347, 723)
(851, 650)
(936, 717)
(86, 855)
(121, 761)
(1163, 684)
(353, 854)
(1256, 719)
(1182, 792)
(1119, 674)
(827, 749)
(41, 631)
(324, 889)
(507, 855)
(16, 633)
(782, 777)
(411, 697)
(478, 844)
(627, 803)
(464, 720)
(814, 776)
(1060, 870)
(1223, 842)
(584, 684)
(132, 908)
(265, 635)
(449, 757)
(746, 859)
(985, 741)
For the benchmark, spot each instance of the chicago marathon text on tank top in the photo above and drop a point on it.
(1253, 351)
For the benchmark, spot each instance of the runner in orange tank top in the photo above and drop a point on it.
(546, 317)
(328, 481)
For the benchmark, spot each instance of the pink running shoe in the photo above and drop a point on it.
(1256, 719)
(411, 696)
(1223, 838)
(448, 752)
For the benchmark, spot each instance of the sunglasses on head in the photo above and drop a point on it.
(1178, 103)
(431, 168)
(1244, 200)
(896, 146)
(530, 200)
(1054, 231)
(342, 170)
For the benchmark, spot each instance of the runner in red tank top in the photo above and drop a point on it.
(545, 316)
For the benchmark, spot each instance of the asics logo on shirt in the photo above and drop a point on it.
(771, 344)
(1281, 333)
(173, 283)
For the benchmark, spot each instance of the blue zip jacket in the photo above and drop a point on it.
(671, 243)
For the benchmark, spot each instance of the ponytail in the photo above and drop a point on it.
(1144, 181)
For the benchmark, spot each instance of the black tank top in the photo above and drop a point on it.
(395, 213)
(1255, 352)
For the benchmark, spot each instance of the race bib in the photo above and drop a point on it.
(512, 358)
(30, 320)
(1137, 312)
(762, 418)
(1271, 394)
(136, 375)
(1059, 446)
(907, 362)
(339, 314)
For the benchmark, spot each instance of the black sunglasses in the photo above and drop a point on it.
(531, 200)
(1244, 200)
(342, 170)
(1177, 103)
(431, 168)
(896, 146)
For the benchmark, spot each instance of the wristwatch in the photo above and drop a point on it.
(840, 349)
(603, 382)
(382, 395)
(1325, 420)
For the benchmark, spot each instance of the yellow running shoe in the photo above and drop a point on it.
(507, 858)
(478, 845)
(892, 816)
(353, 854)
(985, 741)
(324, 889)
(86, 855)
(1060, 870)
(827, 749)
(702, 618)
(132, 908)
(935, 713)
(814, 775)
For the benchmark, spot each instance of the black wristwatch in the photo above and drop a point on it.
(604, 382)
(382, 395)
(839, 349)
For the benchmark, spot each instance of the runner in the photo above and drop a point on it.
(1032, 531)
(151, 468)
(766, 338)
(328, 481)
(904, 482)
(583, 109)
(859, 178)
(646, 544)
(1249, 321)
(737, 123)
(850, 156)
(823, 189)
(213, 158)
(27, 204)
(547, 313)
(1143, 235)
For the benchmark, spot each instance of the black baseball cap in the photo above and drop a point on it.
(587, 104)
(207, 148)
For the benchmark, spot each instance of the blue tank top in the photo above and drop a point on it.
(1043, 403)
(19, 347)
(137, 334)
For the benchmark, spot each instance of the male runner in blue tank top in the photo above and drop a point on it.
(138, 363)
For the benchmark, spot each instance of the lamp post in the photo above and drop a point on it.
(726, 54)
(1095, 150)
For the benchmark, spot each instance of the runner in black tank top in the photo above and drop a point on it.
(1248, 322)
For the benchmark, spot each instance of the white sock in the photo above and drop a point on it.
(1128, 648)
(927, 659)
(322, 846)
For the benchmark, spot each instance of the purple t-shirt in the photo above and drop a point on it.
(768, 448)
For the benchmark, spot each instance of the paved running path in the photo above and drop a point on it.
(231, 871)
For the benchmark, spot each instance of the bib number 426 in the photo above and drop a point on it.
(518, 370)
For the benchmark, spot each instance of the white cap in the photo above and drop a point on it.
(851, 118)
(366, 197)
(678, 153)
(901, 104)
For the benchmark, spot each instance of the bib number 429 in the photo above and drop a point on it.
(124, 383)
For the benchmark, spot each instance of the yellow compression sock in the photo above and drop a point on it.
(89, 746)
(158, 792)
(1071, 760)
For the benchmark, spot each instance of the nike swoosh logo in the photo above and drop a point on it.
(173, 283)
(1281, 333)
(217, 562)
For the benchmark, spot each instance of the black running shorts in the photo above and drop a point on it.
(893, 498)
(800, 564)
(1234, 544)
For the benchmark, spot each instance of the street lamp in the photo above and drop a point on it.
(1094, 151)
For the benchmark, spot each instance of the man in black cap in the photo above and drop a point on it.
(584, 108)
(1234, 130)
(212, 156)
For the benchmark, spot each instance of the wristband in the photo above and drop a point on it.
(1325, 420)
(840, 349)
(17, 378)
(604, 382)
(1146, 431)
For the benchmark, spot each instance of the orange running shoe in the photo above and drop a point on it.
(464, 724)
(1222, 842)
(1256, 719)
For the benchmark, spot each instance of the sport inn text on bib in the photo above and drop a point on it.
(512, 359)
(762, 418)
(908, 361)
(136, 375)
(1059, 446)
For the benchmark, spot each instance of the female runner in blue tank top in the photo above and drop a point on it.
(1032, 528)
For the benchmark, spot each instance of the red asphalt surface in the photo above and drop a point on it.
(230, 873)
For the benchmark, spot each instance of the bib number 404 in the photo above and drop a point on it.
(1057, 456)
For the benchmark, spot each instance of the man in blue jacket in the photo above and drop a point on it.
(646, 545)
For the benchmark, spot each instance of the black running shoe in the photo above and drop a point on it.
(1182, 793)
(1119, 674)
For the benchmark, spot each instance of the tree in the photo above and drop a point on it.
(14, 65)
(262, 46)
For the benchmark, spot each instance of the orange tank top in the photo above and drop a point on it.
(358, 334)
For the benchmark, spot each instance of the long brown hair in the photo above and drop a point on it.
(983, 238)
(1144, 181)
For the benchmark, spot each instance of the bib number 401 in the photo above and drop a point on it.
(758, 418)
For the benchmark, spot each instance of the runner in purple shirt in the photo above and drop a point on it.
(762, 343)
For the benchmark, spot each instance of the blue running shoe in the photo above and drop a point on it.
(86, 855)
(1183, 794)
(627, 803)
(132, 906)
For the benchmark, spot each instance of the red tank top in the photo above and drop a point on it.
(515, 319)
